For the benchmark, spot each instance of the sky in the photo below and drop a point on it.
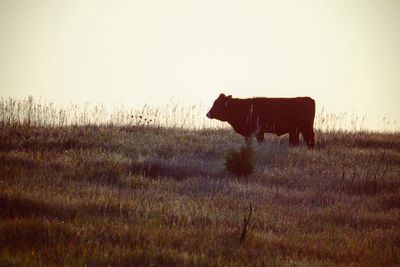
(344, 54)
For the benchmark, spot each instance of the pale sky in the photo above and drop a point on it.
(345, 54)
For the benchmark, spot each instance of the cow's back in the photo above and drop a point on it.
(284, 108)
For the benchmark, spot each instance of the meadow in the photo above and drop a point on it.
(148, 187)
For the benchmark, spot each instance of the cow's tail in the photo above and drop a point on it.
(311, 142)
(312, 111)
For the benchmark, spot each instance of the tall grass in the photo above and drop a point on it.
(33, 112)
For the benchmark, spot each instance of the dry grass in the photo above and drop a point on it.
(142, 195)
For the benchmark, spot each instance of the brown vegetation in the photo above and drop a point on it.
(149, 195)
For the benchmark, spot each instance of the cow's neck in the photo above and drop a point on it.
(240, 116)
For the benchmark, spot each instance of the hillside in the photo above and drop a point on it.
(130, 196)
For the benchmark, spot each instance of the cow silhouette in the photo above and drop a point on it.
(257, 116)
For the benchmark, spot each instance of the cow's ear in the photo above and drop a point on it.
(221, 95)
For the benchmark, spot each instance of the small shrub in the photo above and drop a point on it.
(138, 182)
(240, 162)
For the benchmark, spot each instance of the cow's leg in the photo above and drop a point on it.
(312, 139)
(308, 135)
(260, 137)
(294, 137)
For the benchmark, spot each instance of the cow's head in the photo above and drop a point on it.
(220, 109)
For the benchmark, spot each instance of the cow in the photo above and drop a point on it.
(257, 116)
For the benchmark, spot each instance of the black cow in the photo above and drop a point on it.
(256, 116)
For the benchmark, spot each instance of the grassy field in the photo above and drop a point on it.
(149, 196)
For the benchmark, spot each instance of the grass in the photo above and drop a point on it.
(147, 195)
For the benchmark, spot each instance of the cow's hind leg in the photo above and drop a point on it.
(294, 137)
(308, 136)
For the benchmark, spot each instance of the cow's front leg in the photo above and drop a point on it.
(260, 137)
(247, 139)
(294, 137)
